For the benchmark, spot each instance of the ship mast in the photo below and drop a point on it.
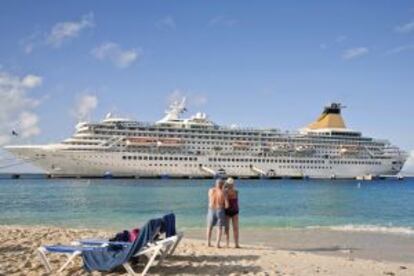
(174, 111)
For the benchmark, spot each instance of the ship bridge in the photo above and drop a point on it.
(172, 117)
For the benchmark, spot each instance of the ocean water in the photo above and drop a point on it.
(383, 205)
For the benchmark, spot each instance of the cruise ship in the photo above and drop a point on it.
(197, 147)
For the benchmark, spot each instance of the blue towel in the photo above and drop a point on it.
(168, 225)
(107, 258)
(66, 248)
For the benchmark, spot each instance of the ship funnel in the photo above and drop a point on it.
(330, 118)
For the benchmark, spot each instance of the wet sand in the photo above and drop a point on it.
(288, 252)
(356, 244)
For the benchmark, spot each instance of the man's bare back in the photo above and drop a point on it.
(216, 198)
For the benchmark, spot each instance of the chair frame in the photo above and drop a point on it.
(152, 250)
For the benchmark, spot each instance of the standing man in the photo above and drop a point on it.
(216, 214)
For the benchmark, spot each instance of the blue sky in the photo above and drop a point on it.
(274, 63)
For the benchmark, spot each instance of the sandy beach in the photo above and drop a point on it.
(18, 245)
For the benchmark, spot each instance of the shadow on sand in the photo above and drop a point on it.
(205, 264)
(13, 248)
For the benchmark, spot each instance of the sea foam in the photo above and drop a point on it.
(367, 228)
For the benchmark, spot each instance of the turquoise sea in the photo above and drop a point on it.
(124, 203)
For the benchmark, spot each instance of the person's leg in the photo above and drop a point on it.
(235, 221)
(227, 231)
(208, 234)
(221, 222)
(219, 234)
(210, 224)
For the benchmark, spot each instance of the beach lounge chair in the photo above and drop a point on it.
(169, 228)
(176, 239)
(72, 252)
(106, 258)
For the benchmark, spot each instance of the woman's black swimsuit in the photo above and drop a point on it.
(231, 213)
(233, 208)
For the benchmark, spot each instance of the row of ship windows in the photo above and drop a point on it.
(239, 166)
(101, 130)
(170, 158)
(273, 132)
(159, 158)
(357, 162)
(305, 167)
(293, 161)
(298, 161)
(219, 136)
(315, 145)
(335, 151)
(229, 148)
(220, 159)
(264, 160)
(242, 166)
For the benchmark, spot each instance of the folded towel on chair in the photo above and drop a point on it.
(107, 258)
(168, 225)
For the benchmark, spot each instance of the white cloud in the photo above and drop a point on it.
(64, 31)
(353, 53)
(114, 53)
(28, 124)
(223, 21)
(193, 99)
(405, 28)
(400, 49)
(85, 105)
(60, 33)
(31, 42)
(16, 106)
(31, 81)
(166, 23)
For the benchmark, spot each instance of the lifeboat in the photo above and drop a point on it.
(349, 150)
(141, 141)
(241, 145)
(304, 149)
(282, 148)
(151, 142)
(170, 142)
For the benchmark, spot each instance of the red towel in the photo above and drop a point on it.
(133, 234)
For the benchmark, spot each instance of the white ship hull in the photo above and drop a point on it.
(62, 163)
(196, 147)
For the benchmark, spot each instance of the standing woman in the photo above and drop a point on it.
(232, 212)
